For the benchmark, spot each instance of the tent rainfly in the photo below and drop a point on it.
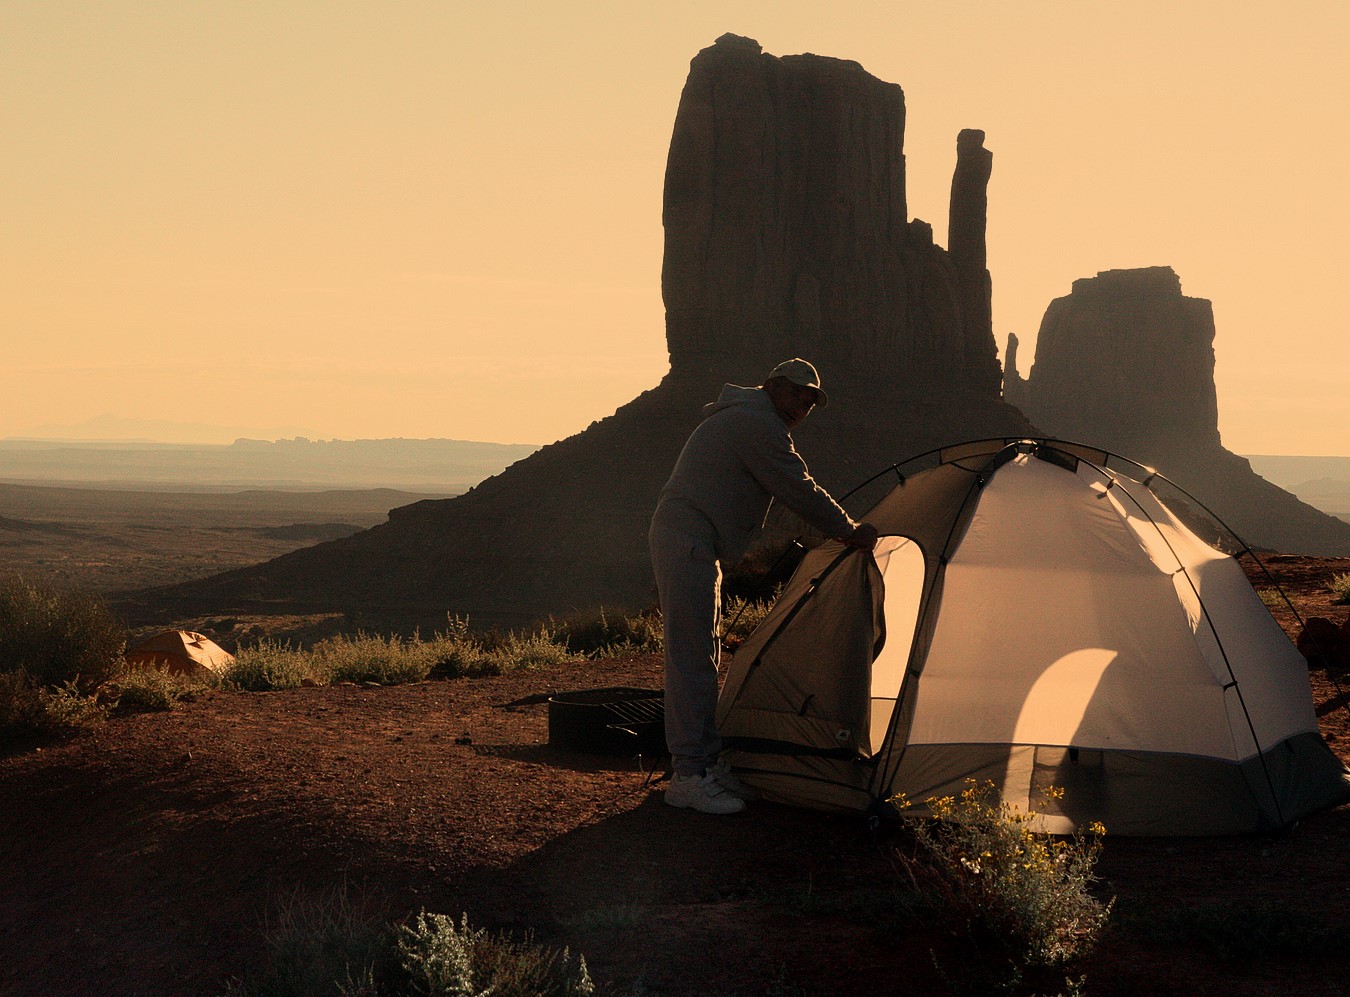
(182, 652)
(1036, 617)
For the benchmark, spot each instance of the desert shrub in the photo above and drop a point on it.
(29, 709)
(150, 688)
(22, 710)
(335, 943)
(984, 865)
(443, 960)
(319, 944)
(270, 665)
(1340, 588)
(514, 650)
(455, 653)
(604, 634)
(388, 661)
(68, 706)
(459, 652)
(740, 617)
(1272, 597)
(57, 636)
(454, 658)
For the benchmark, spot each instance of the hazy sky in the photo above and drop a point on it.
(414, 218)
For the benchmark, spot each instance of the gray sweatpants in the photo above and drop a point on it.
(689, 585)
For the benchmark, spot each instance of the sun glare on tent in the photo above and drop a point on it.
(900, 562)
(1062, 692)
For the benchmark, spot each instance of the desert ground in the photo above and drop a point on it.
(108, 539)
(150, 855)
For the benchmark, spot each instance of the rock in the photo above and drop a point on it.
(1125, 362)
(787, 232)
(1014, 385)
(1325, 644)
(966, 243)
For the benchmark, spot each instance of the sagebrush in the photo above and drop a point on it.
(58, 636)
(147, 687)
(605, 633)
(1340, 588)
(57, 647)
(335, 942)
(28, 709)
(442, 958)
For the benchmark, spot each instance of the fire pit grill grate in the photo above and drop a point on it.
(612, 721)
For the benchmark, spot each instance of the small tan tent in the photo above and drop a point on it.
(181, 651)
(1034, 615)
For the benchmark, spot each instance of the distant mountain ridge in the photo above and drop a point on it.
(1323, 482)
(432, 465)
(108, 426)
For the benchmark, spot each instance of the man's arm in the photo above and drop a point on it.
(780, 470)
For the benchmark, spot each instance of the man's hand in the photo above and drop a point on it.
(864, 536)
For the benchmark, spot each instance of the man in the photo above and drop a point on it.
(734, 464)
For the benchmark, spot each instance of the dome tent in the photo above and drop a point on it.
(1035, 616)
(182, 652)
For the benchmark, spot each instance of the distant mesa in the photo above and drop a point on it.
(441, 467)
(786, 234)
(109, 427)
(1125, 362)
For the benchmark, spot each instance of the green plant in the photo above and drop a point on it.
(740, 617)
(149, 688)
(600, 634)
(1272, 597)
(454, 658)
(388, 661)
(67, 706)
(1340, 588)
(270, 665)
(333, 942)
(57, 636)
(987, 867)
(514, 651)
(455, 653)
(28, 709)
(443, 960)
(22, 710)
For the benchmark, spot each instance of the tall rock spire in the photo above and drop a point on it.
(967, 223)
(787, 232)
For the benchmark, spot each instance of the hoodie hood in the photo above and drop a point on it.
(734, 394)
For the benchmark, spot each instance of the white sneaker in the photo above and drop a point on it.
(703, 793)
(730, 783)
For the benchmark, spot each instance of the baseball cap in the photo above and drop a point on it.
(801, 372)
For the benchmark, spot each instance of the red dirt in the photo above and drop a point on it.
(143, 857)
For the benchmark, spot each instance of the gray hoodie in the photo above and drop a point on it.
(734, 464)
